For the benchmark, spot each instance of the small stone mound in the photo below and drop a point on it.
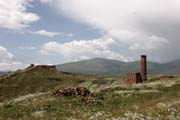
(89, 100)
(80, 91)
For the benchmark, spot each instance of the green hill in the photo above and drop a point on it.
(36, 79)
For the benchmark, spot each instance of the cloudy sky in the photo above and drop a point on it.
(59, 31)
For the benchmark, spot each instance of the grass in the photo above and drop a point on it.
(35, 80)
(72, 107)
(37, 104)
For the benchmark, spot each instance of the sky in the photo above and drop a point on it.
(60, 31)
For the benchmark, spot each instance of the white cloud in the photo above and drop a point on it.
(145, 25)
(27, 48)
(139, 41)
(46, 1)
(7, 61)
(50, 34)
(83, 49)
(14, 14)
(152, 43)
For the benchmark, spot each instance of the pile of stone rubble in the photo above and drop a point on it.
(89, 100)
(87, 95)
(79, 91)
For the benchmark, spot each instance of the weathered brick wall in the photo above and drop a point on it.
(134, 78)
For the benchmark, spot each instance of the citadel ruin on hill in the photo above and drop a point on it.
(132, 78)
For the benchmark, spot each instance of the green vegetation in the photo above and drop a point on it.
(27, 95)
(36, 79)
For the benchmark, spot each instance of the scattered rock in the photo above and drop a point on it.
(89, 100)
(80, 91)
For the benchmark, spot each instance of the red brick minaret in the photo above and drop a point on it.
(144, 67)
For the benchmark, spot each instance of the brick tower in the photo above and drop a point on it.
(144, 67)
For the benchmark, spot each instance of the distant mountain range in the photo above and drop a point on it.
(3, 72)
(108, 67)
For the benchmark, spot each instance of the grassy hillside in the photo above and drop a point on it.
(36, 79)
(158, 98)
(27, 95)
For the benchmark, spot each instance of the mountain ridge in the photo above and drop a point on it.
(110, 67)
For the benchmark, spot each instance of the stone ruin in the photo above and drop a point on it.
(89, 100)
(41, 67)
(79, 91)
(144, 67)
(134, 78)
(45, 67)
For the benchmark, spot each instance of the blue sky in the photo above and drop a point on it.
(59, 31)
